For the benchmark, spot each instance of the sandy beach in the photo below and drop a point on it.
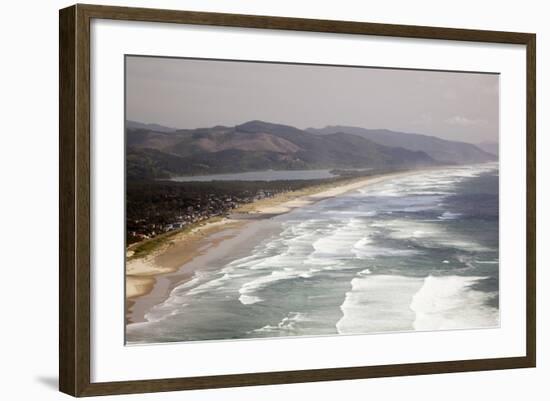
(149, 279)
(142, 273)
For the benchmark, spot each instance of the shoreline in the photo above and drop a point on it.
(142, 274)
(149, 279)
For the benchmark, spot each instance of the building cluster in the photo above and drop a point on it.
(169, 213)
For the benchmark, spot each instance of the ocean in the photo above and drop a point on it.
(413, 253)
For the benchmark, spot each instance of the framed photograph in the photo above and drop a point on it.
(250, 200)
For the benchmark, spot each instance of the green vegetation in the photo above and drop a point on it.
(145, 247)
(253, 146)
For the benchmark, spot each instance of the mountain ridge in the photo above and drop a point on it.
(489, 147)
(151, 126)
(258, 145)
(442, 150)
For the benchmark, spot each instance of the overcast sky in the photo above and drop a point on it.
(184, 93)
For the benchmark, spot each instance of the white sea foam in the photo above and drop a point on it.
(287, 325)
(365, 249)
(429, 234)
(307, 251)
(364, 272)
(440, 182)
(378, 303)
(249, 299)
(198, 276)
(449, 216)
(449, 302)
(409, 229)
(328, 249)
(284, 261)
(381, 303)
(176, 301)
(210, 285)
(261, 282)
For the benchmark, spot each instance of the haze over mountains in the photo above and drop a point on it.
(439, 149)
(154, 151)
(148, 127)
(490, 147)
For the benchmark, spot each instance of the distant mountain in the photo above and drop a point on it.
(490, 147)
(438, 149)
(256, 145)
(153, 127)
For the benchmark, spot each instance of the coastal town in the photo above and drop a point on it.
(154, 208)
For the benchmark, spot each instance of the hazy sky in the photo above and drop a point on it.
(185, 93)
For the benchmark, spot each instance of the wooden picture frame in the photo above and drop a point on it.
(74, 206)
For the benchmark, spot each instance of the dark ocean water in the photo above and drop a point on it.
(419, 252)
